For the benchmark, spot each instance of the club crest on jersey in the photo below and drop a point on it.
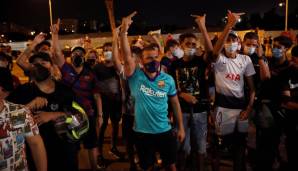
(161, 84)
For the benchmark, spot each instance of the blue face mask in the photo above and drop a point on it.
(152, 66)
(277, 53)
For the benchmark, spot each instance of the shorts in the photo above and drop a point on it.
(195, 133)
(90, 139)
(227, 121)
(148, 144)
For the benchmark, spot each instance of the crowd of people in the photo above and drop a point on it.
(178, 102)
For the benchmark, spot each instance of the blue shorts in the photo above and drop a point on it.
(195, 133)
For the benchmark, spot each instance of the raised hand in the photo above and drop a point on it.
(259, 50)
(233, 17)
(127, 21)
(39, 38)
(200, 20)
(55, 27)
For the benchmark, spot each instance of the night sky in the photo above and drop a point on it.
(32, 13)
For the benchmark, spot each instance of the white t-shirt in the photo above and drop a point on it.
(230, 73)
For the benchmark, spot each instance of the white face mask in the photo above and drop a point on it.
(231, 47)
(249, 50)
(178, 52)
(189, 51)
(108, 55)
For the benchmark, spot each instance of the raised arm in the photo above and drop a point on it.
(129, 63)
(23, 59)
(264, 68)
(115, 51)
(158, 39)
(201, 20)
(232, 20)
(58, 56)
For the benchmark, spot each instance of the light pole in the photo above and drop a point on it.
(50, 10)
(286, 15)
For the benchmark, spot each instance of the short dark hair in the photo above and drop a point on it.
(150, 47)
(41, 55)
(294, 51)
(38, 46)
(182, 37)
(171, 43)
(232, 36)
(283, 40)
(251, 35)
(136, 50)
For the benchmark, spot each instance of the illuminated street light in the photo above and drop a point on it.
(2, 35)
(32, 33)
(286, 4)
(239, 20)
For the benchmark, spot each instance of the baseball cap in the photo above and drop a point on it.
(78, 48)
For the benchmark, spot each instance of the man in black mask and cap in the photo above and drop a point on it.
(43, 96)
(83, 82)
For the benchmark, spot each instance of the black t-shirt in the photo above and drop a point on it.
(190, 78)
(59, 100)
(167, 62)
(109, 82)
(272, 89)
(292, 86)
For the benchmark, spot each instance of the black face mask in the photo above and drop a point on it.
(40, 73)
(91, 62)
(78, 61)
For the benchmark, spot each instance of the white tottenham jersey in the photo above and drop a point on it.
(229, 77)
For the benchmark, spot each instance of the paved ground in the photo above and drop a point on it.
(116, 165)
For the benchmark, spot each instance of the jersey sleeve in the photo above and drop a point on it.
(172, 87)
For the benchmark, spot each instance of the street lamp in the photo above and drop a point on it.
(286, 19)
(286, 4)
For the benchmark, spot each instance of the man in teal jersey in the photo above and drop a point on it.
(151, 90)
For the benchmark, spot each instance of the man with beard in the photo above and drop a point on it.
(151, 90)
